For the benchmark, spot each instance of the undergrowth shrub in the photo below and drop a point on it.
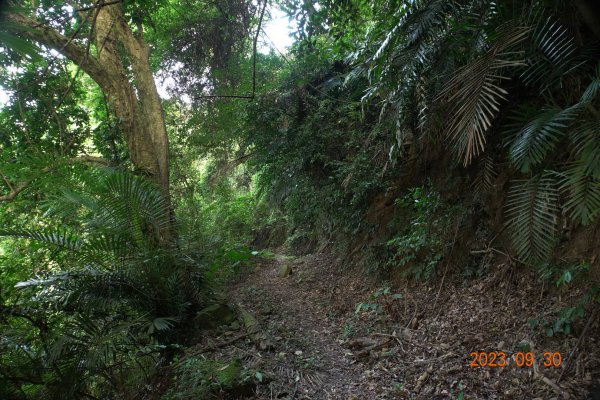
(562, 321)
(313, 150)
(218, 220)
(198, 377)
(111, 296)
(425, 232)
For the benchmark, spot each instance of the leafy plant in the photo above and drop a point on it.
(365, 307)
(421, 245)
(115, 288)
(566, 317)
(532, 212)
(475, 92)
(348, 331)
(445, 68)
(561, 276)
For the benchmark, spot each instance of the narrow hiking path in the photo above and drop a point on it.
(307, 359)
(415, 344)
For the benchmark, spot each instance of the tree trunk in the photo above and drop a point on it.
(135, 102)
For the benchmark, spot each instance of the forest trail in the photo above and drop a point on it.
(314, 345)
(306, 359)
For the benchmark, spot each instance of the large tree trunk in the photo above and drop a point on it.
(135, 102)
(138, 107)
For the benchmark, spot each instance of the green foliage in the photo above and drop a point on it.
(203, 45)
(203, 378)
(445, 68)
(365, 307)
(562, 324)
(14, 43)
(383, 301)
(312, 136)
(539, 137)
(532, 208)
(583, 203)
(111, 293)
(476, 94)
(421, 245)
(97, 282)
(49, 118)
(562, 320)
(348, 331)
(561, 276)
(433, 76)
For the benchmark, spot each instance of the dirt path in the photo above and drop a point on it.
(307, 360)
(414, 344)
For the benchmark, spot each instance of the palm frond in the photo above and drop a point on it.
(586, 143)
(61, 238)
(592, 90)
(532, 210)
(486, 175)
(423, 18)
(539, 135)
(128, 203)
(583, 203)
(161, 324)
(552, 55)
(475, 93)
(43, 282)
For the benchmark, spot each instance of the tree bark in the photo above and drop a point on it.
(135, 103)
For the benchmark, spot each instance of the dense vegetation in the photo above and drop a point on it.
(401, 135)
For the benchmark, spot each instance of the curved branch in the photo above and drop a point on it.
(15, 190)
(32, 29)
(18, 188)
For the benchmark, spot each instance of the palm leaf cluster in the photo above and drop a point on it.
(116, 290)
(498, 81)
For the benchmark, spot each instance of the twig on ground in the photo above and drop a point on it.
(226, 343)
(554, 387)
(570, 357)
(492, 249)
(446, 269)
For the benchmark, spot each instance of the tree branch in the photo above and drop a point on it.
(51, 38)
(99, 5)
(15, 191)
(260, 19)
(92, 160)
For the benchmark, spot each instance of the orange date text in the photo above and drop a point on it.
(520, 359)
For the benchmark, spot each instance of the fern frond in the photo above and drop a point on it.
(532, 210)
